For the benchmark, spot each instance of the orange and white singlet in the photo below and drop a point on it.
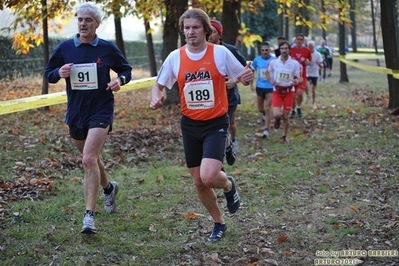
(202, 88)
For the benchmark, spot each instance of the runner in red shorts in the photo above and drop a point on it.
(303, 55)
(283, 73)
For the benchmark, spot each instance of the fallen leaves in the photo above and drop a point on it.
(282, 239)
(152, 228)
(192, 215)
(23, 188)
(354, 208)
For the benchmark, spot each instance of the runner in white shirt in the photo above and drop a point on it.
(283, 73)
(313, 70)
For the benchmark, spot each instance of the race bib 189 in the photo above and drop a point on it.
(199, 95)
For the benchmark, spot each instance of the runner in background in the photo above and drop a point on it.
(303, 55)
(233, 95)
(277, 50)
(324, 50)
(283, 73)
(313, 70)
(264, 90)
(330, 59)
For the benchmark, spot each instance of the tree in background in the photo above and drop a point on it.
(389, 25)
(28, 28)
(342, 14)
(36, 18)
(147, 10)
(353, 12)
(174, 9)
(262, 21)
(119, 9)
(32, 15)
(231, 20)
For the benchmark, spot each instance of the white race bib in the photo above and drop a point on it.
(84, 76)
(283, 76)
(262, 72)
(199, 95)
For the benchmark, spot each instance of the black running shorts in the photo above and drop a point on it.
(204, 139)
(81, 133)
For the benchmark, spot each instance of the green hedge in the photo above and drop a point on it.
(13, 65)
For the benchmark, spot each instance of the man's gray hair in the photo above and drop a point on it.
(92, 9)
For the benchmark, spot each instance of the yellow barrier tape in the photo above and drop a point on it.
(383, 70)
(23, 104)
(364, 56)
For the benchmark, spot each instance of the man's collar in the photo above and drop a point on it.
(77, 42)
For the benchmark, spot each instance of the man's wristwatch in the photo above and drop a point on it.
(123, 79)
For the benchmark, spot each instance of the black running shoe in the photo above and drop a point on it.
(292, 114)
(230, 155)
(299, 111)
(232, 197)
(277, 122)
(217, 233)
(284, 139)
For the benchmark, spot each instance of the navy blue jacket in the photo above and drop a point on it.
(233, 94)
(96, 104)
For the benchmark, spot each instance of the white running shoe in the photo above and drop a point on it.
(235, 145)
(110, 200)
(265, 133)
(88, 225)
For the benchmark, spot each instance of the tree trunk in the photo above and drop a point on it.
(323, 10)
(150, 49)
(343, 73)
(287, 26)
(170, 37)
(354, 29)
(46, 53)
(231, 20)
(118, 34)
(305, 14)
(391, 47)
(281, 25)
(374, 31)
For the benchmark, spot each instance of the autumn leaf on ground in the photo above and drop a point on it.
(282, 239)
(68, 210)
(358, 225)
(374, 168)
(152, 228)
(267, 250)
(336, 226)
(237, 171)
(159, 179)
(354, 209)
(192, 215)
(77, 179)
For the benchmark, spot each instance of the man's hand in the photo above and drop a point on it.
(230, 84)
(65, 70)
(157, 97)
(114, 85)
(247, 75)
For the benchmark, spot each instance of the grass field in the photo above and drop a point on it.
(334, 187)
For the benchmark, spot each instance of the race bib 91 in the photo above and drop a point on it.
(84, 76)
